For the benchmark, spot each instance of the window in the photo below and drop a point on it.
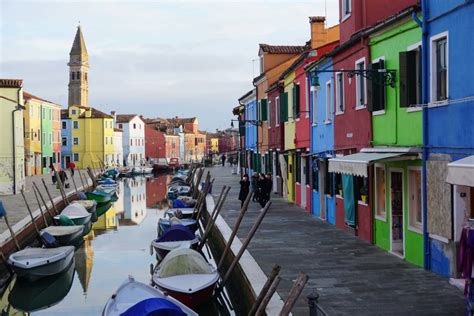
(360, 85)
(85, 76)
(120, 126)
(314, 94)
(376, 99)
(111, 140)
(106, 140)
(440, 69)
(338, 182)
(64, 141)
(76, 157)
(362, 189)
(73, 112)
(306, 105)
(269, 114)
(346, 9)
(50, 114)
(131, 142)
(75, 141)
(50, 138)
(63, 124)
(328, 102)
(75, 124)
(339, 93)
(78, 75)
(298, 167)
(380, 194)
(134, 126)
(329, 187)
(296, 101)
(414, 196)
(315, 171)
(44, 114)
(277, 111)
(410, 77)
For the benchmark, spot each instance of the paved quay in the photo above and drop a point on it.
(17, 212)
(351, 276)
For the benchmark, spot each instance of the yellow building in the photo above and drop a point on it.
(290, 134)
(32, 119)
(12, 150)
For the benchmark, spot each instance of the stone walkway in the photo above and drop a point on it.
(351, 276)
(15, 205)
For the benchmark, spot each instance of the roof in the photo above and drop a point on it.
(27, 95)
(125, 118)
(11, 83)
(246, 95)
(79, 45)
(276, 85)
(96, 114)
(295, 64)
(185, 120)
(317, 19)
(281, 49)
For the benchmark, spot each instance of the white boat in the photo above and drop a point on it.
(65, 235)
(36, 263)
(186, 276)
(185, 212)
(77, 213)
(133, 295)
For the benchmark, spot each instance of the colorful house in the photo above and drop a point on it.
(249, 102)
(172, 146)
(32, 119)
(448, 121)
(50, 135)
(155, 143)
(66, 139)
(12, 160)
(118, 147)
(276, 134)
(133, 138)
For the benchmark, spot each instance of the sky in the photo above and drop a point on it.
(155, 58)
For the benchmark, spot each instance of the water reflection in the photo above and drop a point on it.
(84, 258)
(134, 201)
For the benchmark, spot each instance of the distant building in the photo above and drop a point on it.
(133, 138)
(32, 126)
(118, 146)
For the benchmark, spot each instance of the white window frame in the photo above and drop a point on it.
(338, 94)
(416, 46)
(50, 138)
(433, 83)
(377, 216)
(381, 112)
(269, 114)
(410, 227)
(345, 15)
(306, 97)
(277, 111)
(74, 141)
(314, 94)
(328, 102)
(358, 80)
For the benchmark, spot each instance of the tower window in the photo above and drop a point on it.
(73, 76)
(78, 75)
(85, 76)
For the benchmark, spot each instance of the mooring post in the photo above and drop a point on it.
(49, 196)
(268, 296)
(42, 199)
(29, 211)
(82, 181)
(40, 207)
(61, 189)
(73, 181)
(198, 216)
(258, 304)
(243, 210)
(295, 292)
(313, 303)
(203, 201)
(200, 198)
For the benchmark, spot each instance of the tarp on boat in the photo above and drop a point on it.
(177, 233)
(154, 306)
(75, 210)
(86, 203)
(183, 261)
(179, 204)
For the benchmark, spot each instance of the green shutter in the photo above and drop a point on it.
(264, 106)
(296, 105)
(407, 78)
(284, 107)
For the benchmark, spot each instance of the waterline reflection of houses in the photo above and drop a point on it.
(156, 190)
(118, 205)
(108, 221)
(134, 202)
(84, 258)
(5, 307)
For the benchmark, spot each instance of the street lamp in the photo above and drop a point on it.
(384, 77)
(253, 122)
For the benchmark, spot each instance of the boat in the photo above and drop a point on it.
(106, 189)
(178, 190)
(136, 298)
(65, 235)
(102, 208)
(91, 207)
(161, 165)
(99, 196)
(76, 213)
(185, 275)
(182, 212)
(177, 236)
(36, 263)
(34, 296)
(165, 223)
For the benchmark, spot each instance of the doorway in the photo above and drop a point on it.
(396, 211)
(322, 188)
(67, 161)
(303, 181)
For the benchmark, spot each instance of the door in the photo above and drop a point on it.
(274, 171)
(67, 161)
(303, 181)
(322, 188)
(396, 211)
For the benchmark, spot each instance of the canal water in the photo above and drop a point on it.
(117, 246)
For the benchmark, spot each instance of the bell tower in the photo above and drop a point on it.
(78, 72)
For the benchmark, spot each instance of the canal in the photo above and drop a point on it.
(117, 246)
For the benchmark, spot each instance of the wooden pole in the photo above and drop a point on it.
(11, 232)
(243, 210)
(213, 211)
(42, 199)
(73, 181)
(29, 211)
(40, 207)
(244, 246)
(268, 296)
(82, 181)
(50, 198)
(266, 287)
(61, 189)
(202, 201)
(295, 292)
(212, 220)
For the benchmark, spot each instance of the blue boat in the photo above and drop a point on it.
(177, 236)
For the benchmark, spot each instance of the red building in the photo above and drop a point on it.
(356, 17)
(155, 142)
(276, 129)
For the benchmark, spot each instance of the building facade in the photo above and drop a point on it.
(133, 139)
(32, 120)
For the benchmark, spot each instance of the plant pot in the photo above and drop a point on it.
(364, 198)
(340, 192)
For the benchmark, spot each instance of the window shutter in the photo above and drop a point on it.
(284, 107)
(264, 110)
(376, 89)
(407, 78)
(242, 128)
(297, 101)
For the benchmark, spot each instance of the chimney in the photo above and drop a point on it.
(318, 31)
(114, 115)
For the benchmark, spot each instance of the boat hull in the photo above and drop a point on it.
(162, 252)
(103, 208)
(66, 240)
(192, 300)
(98, 198)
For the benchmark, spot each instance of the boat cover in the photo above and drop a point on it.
(100, 193)
(183, 261)
(106, 181)
(179, 203)
(75, 211)
(82, 196)
(63, 230)
(154, 306)
(177, 233)
(65, 220)
(86, 203)
(34, 257)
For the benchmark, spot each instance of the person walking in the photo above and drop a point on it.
(244, 189)
(223, 160)
(63, 176)
(72, 166)
(253, 185)
(53, 174)
(262, 189)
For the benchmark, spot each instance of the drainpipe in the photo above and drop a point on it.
(18, 107)
(424, 95)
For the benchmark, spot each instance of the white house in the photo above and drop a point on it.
(133, 138)
(118, 147)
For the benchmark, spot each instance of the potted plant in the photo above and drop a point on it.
(363, 194)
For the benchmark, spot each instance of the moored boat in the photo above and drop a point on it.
(76, 213)
(186, 276)
(185, 212)
(91, 207)
(177, 236)
(65, 235)
(136, 298)
(99, 196)
(165, 223)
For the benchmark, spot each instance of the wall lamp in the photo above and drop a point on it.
(253, 122)
(384, 77)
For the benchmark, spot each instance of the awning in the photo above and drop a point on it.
(357, 164)
(461, 172)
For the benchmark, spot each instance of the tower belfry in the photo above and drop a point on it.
(78, 72)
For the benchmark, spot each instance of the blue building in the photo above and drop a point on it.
(323, 203)
(66, 140)
(249, 101)
(448, 133)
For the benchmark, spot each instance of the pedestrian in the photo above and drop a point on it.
(262, 190)
(72, 166)
(223, 160)
(63, 176)
(244, 189)
(253, 184)
(53, 174)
